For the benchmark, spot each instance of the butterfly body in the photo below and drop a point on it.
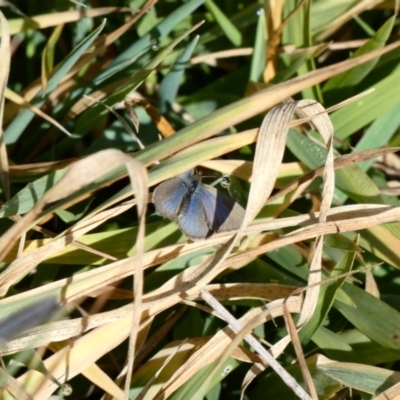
(198, 209)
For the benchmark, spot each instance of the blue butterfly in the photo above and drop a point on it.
(198, 209)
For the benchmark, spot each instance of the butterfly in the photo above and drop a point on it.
(198, 209)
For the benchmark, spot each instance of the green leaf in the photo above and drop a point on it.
(48, 54)
(260, 48)
(26, 198)
(353, 181)
(325, 13)
(230, 30)
(371, 316)
(341, 86)
(298, 32)
(333, 345)
(358, 114)
(271, 385)
(171, 82)
(327, 296)
(360, 376)
(367, 351)
(194, 388)
(379, 133)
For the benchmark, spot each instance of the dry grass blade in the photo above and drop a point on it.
(141, 190)
(57, 18)
(80, 174)
(341, 162)
(300, 355)
(121, 119)
(347, 16)
(39, 168)
(17, 99)
(5, 60)
(324, 126)
(163, 126)
(26, 262)
(392, 393)
(62, 330)
(211, 59)
(269, 153)
(243, 333)
(215, 347)
(147, 387)
(12, 386)
(271, 143)
(340, 219)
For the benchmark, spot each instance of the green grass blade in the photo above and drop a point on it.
(171, 82)
(15, 129)
(260, 48)
(156, 34)
(370, 315)
(379, 133)
(327, 296)
(89, 118)
(341, 86)
(230, 30)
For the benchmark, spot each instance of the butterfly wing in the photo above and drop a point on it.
(192, 218)
(198, 209)
(168, 196)
(223, 213)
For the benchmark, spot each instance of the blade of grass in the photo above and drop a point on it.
(229, 29)
(5, 57)
(89, 118)
(158, 33)
(48, 55)
(56, 18)
(15, 129)
(171, 82)
(260, 49)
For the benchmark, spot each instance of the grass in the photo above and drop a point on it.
(294, 105)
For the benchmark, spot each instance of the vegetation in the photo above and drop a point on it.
(290, 106)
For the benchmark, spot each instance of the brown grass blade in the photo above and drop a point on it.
(5, 60)
(271, 143)
(218, 343)
(347, 16)
(243, 332)
(340, 162)
(39, 168)
(56, 18)
(323, 125)
(17, 99)
(80, 174)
